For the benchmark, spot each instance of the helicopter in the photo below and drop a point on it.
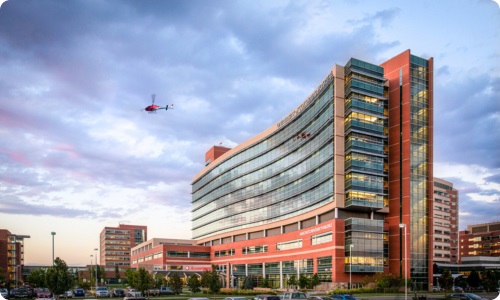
(153, 107)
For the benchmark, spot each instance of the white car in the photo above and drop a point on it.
(102, 291)
(68, 294)
(133, 293)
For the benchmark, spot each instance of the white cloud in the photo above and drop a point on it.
(468, 173)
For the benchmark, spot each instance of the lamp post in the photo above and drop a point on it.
(350, 265)
(96, 269)
(90, 269)
(406, 262)
(53, 233)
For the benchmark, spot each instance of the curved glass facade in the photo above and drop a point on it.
(285, 174)
(316, 186)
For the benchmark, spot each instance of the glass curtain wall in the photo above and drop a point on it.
(277, 178)
(366, 136)
(419, 159)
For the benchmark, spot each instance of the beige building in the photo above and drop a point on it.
(445, 211)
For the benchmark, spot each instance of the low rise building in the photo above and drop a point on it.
(168, 256)
(480, 240)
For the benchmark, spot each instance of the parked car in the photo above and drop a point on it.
(23, 293)
(319, 298)
(79, 293)
(343, 297)
(466, 296)
(102, 291)
(118, 293)
(267, 297)
(67, 294)
(198, 298)
(165, 290)
(12, 293)
(235, 298)
(43, 293)
(436, 288)
(293, 295)
(4, 293)
(457, 289)
(133, 293)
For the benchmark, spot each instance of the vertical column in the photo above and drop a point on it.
(339, 135)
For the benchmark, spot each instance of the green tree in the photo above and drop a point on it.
(315, 280)
(2, 275)
(446, 280)
(303, 281)
(59, 279)
(175, 283)
(194, 284)
(101, 275)
(265, 283)
(142, 280)
(248, 283)
(292, 282)
(211, 280)
(38, 278)
(130, 275)
(117, 274)
(473, 280)
(160, 280)
(489, 280)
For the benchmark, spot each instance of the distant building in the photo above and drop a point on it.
(445, 211)
(480, 240)
(12, 254)
(168, 256)
(117, 242)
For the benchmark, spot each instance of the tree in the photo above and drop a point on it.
(292, 282)
(142, 280)
(211, 280)
(489, 280)
(194, 284)
(101, 274)
(130, 276)
(2, 275)
(315, 281)
(248, 283)
(265, 283)
(117, 274)
(160, 280)
(175, 283)
(473, 280)
(59, 279)
(38, 278)
(303, 281)
(446, 280)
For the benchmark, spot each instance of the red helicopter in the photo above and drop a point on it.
(153, 107)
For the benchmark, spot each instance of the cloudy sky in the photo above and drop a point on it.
(78, 152)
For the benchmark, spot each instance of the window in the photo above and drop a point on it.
(229, 252)
(254, 249)
(321, 238)
(289, 245)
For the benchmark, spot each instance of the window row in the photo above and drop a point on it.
(291, 129)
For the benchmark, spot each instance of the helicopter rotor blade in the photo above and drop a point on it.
(153, 96)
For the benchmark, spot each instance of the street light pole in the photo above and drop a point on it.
(90, 269)
(406, 262)
(53, 233)
(350, 265)
(96, 269)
